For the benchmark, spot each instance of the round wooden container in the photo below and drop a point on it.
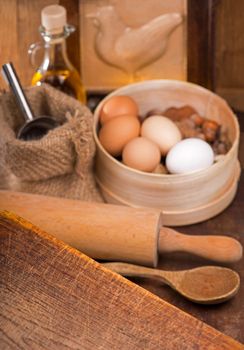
(187, 198)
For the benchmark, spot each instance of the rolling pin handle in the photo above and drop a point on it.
(217, 248)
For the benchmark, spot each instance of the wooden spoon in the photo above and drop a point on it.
(204, 285)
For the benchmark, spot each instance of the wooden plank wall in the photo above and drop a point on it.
(20, 19)
(200, 63)
(19, 24)
(229, 51)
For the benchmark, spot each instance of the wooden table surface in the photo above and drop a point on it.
(54, 297)
(227, 317)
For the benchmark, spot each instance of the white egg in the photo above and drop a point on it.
(189, 155)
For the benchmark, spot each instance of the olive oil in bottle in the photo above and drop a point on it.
(56, 68)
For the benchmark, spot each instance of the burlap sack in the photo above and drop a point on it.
(59, 164)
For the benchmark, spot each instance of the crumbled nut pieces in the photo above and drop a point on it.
(187, 128)
(160, 169)
(191, 124)
(197, 119)
(211, 130)
(201, 136)
(220, 147)
(154, 112)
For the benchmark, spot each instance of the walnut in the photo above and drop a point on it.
(177, 114)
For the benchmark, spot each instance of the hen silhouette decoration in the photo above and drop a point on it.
(131, 49)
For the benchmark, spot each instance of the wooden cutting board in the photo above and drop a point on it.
(54, 297)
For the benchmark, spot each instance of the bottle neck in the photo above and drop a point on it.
(55, 55)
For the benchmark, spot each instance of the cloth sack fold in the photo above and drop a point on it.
(60, 163)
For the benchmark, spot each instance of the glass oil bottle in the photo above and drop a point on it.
(56, 68)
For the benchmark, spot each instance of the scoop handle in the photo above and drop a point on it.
(12, 79)
(217, 248)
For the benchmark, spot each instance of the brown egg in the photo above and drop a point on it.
(162, 131)
(116, 106)
(117, 132)
(141, 154)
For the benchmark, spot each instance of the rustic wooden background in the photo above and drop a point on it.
(229, 53)
(19, 23)
(215, 41)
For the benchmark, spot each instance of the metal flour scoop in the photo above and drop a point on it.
(34, 127)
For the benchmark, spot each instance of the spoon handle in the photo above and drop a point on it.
(131, 270)
(12, 79)
(217, 248)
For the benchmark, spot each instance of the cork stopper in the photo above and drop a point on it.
(54, 18)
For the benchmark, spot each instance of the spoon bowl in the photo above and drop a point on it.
(34, 128)
(203, 285)
(209, 284)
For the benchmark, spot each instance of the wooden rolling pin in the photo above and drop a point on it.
(113, 232)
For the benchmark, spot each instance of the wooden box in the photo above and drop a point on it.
(186, 198)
